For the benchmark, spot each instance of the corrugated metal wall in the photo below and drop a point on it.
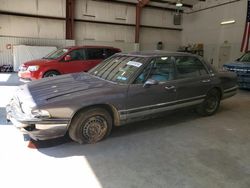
(6, 57)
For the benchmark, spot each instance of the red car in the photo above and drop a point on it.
(66, 60)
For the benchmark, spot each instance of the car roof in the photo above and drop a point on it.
(156, 53)
(89, 46)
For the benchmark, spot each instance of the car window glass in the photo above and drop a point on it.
(118, 69)
(78, 54)
(56, 54)
(245, 58)
(187, 67)
(160, 69)
(95, 53)
(109, 52)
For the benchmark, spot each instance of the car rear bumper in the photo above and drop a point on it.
(37, 129)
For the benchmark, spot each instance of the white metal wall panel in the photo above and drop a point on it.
(159, 18)
(105, 11)
(150, 37)
(51, 8)
(6, 55)
(104, 32)
(36, 7)
(20, 26)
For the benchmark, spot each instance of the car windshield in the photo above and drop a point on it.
(119, 69)
(56, 54)
(245, 58)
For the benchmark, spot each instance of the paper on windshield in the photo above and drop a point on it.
(134, 63)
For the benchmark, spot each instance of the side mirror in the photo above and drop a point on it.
(67, 58)
(150, 82)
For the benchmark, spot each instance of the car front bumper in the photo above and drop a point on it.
(28, 75)
(36, 128)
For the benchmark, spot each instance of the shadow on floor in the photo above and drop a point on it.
(9, 79)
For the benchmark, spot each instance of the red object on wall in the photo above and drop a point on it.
(8, 46)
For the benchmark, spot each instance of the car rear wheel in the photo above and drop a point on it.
(211, 103)
(90, 126)
(51, 74)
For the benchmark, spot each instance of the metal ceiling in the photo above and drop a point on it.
(165, 3)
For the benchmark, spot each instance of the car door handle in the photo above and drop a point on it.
(206, 81)
(169, 87)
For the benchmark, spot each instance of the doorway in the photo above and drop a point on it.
(224, 55)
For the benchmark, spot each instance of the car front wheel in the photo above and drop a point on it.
(51, 74)
(90, 126)
(211, 103)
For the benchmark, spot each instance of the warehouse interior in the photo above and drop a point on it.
(42, 22)
(181, 150)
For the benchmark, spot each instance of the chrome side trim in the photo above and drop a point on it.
(230, 89)
(162, 104)
(167, 108)
(229, 94)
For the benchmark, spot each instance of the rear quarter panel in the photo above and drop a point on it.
(228, 81)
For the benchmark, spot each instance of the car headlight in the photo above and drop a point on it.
(33, 68)
(40, 113)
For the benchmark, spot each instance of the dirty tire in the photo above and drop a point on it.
(51, 74)
(90, 126)
(211, 103)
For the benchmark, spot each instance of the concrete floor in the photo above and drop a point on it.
(181, 150)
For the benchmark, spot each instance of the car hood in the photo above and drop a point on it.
(62, 86)
(38, 62)
(237, 64)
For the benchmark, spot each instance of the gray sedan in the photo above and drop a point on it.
(122, 89)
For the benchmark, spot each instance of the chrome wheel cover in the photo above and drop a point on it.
(51, 75)
(94, 129)
(211, 103)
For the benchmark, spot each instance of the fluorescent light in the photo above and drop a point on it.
(178, 3)
(227, 22)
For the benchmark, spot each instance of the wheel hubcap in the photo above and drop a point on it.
(51, 75)
(95, 129)
(211, 103)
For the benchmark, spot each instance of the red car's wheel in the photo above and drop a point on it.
(51, 74)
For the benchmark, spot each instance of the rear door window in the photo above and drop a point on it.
(109, 52)
(78, 54)
(160, 69)
(95, 53)
(187, 67)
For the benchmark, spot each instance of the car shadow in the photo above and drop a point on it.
(170, 119)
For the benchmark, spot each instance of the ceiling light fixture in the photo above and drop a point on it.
(227, 22)
(178, 3)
